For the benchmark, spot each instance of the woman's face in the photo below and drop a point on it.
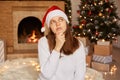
(58, 25)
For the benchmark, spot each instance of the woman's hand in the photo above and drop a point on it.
(60, 39)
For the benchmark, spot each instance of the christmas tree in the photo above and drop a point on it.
(68, 10)
(97, 20)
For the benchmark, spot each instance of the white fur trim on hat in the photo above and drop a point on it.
(54, 13)
(42, 29)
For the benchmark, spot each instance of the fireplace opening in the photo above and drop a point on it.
(29, 30)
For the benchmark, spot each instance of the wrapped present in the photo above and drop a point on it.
(88, 60)
(103, 50)
(2, 52)
(101, 66)
(102, 59)
(103, 42)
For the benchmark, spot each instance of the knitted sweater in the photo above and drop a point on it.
(68, 67)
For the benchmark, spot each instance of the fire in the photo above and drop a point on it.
(33, 38)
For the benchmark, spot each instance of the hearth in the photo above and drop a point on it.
(27, 25)
(29, 30)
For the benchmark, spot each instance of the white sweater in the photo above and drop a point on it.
(72, 67)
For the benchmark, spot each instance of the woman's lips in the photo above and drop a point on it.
(59, 29)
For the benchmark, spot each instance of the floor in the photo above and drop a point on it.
(116, 60)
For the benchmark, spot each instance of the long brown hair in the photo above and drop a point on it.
(70, 45)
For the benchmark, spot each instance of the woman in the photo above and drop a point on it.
(61, 56)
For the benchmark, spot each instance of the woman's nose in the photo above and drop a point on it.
(57, 23)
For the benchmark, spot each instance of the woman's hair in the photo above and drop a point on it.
(70, 45)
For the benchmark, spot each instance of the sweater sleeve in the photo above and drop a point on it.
(48, 61)
(80, 59)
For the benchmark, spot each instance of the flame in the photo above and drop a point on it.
(32, 38)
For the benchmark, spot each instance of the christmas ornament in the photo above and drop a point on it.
(83, 22)
(96, 22)
(101, 3)
(78, 11)
(96, 33)
(96, 27)
(107, 9)
(100, 14)
(106, 0)
(80, 26)
(89, 13)
(92, 8)
(82, 12)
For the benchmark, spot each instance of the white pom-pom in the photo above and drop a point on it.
(42, 29)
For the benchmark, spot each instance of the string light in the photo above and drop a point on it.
(70, 17)
(80, 16)
(89, 30)
(69, 10)
(95, 4)
(80, 26)
(91, 19)
(84, 17)
(103, 40)
(83, 7)
(112, 71)
(78, 34)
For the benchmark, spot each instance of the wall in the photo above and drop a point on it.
(75, 6)
(117, 43)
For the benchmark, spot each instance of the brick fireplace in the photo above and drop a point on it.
(17, 17)
(12, 13)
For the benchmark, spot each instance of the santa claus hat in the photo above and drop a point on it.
(52, 12)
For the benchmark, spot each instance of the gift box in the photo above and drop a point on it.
(103, 50)
(88, 60)
(103, 42)
(2, 51)
(101, 66)
(102, 59)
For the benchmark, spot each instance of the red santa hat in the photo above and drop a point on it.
(52, 12)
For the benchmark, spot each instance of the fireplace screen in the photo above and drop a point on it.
(29, 30)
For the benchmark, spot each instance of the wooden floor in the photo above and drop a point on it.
(116, 61)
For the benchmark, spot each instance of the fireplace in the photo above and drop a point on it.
(29, 30)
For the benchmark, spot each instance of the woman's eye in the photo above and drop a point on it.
(52, 22)
(61, 19)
